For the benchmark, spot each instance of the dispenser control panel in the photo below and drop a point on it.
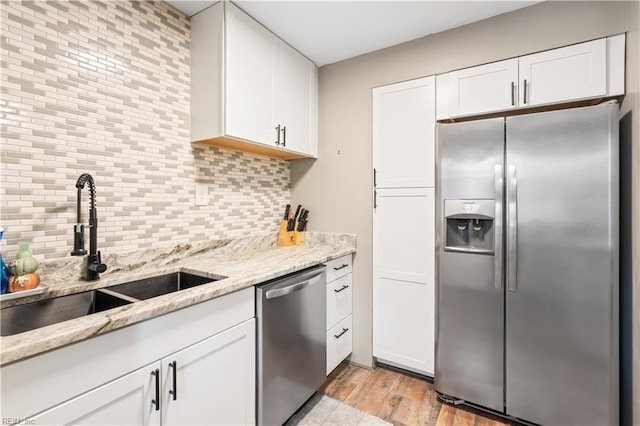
(469, 226)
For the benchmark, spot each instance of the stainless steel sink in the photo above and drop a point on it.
(21, 318)
(157, 286)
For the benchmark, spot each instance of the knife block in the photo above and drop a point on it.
(300, 237)
(286, 238)
(290, 238)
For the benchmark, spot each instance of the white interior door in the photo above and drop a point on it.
(403, 133)
(403, 278)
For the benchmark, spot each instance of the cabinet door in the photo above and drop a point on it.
(295, 87)
(483, 89)
(124, 401)
(214, 380)
(250, 58)
(403, 281)
(403, 133)
(565, 74)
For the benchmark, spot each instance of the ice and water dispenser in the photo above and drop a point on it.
(469, 226)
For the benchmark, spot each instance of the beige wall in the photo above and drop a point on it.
(337, 186)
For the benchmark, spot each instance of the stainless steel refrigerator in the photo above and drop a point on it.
(527, 265)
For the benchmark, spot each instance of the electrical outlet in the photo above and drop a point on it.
(202, 194)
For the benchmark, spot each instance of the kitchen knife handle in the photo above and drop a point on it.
(497, 231)
(284, 135)
(174, 367)
(287, 210)
(278, 133)
(512, 228)
(513, 94)
(156, 401)
(295, 216)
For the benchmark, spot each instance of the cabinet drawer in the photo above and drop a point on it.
(339, 299)
(339, 343)
(339, 267)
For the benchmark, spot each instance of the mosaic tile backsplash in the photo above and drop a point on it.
(102, 87)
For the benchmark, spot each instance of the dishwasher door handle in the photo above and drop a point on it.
(283, 291)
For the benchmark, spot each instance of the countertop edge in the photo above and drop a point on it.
(32, 343)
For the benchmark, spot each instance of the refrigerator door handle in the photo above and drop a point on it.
(497, 235)
(512, 227)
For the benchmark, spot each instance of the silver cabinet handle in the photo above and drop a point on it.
(339, 335)
(344, 265)
(284, 135)
(295, 284)
(512, 228)
(344, 287)
(497, 231)
(525, 92)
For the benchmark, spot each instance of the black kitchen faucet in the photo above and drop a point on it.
(92, 264)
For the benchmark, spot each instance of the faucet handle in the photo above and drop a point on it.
(96, 265)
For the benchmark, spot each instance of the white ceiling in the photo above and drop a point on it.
(333, 30)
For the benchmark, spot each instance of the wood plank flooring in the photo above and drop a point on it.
(398, 398)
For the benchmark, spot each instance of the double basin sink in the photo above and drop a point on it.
(21, 318)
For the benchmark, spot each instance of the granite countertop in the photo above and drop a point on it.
(244, 262)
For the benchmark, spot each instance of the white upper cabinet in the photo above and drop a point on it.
(485, 88)
(251, 54)
(250, 91)
(589, 70)
(573, 72)
(295, 88)
(403, 134)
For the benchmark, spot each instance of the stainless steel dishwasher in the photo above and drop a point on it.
(292, 347)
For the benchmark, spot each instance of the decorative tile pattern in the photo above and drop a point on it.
(103, 87)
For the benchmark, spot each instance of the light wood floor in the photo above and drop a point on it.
(398, 398)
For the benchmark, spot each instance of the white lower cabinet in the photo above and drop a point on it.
(339, 343)
(212, 382)
(339, 309)
(192, 366)
(124, 401)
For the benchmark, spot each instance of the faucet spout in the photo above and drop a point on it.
(92, 264)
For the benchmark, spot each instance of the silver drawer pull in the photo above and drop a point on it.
(344, 330)
(344, 287)
(340, 267)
